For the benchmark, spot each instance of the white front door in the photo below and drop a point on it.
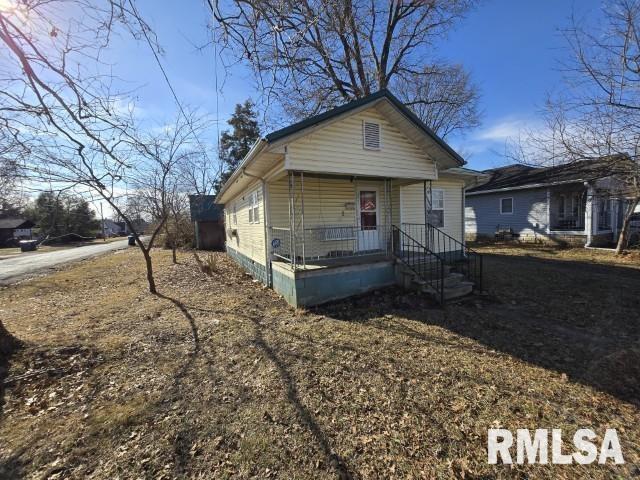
(368, 220)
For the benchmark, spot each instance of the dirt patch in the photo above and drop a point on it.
(219, 378)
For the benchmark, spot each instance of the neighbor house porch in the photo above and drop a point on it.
(584, 213)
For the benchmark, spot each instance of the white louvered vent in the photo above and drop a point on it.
(371, 134)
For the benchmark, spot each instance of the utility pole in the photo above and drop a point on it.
(104, 238)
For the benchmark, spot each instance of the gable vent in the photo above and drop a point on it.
(371, 134)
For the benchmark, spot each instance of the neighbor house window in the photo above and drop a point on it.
(437, 208)
(254, 208)
(371, 135)
(506, 205)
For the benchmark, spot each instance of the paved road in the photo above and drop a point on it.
(16, 267)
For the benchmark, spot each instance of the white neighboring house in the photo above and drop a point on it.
(359, 197)
(112, 229)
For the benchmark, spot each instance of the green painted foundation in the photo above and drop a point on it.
(322, 285)
(257, 270)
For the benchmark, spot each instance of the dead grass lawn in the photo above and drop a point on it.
(219, 378)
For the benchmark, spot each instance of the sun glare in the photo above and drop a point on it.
(15, 8)
(7, 5)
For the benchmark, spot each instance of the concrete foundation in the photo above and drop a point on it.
(321, 285)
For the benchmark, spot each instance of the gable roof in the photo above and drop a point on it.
(334, 112)
(521, 177)
(12, 223)
(299, 128)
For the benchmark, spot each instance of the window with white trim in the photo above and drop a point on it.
(506, 206)
(371, 135)
(437, 208)
(235, 214)
(254, 208)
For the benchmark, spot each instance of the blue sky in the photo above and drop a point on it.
(511, 47)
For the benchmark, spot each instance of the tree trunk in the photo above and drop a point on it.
(7, 342)
(623, 238)
(173, 243)
(147, 259)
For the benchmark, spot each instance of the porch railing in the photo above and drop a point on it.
(329, 242)
(452, 252)
(428, 265)
(566, 223)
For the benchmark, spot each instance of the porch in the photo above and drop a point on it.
(567, 207)
(336, 236)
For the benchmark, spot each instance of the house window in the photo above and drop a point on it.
(254, 208)
(506, 206)
(371, 135)
(604, 214)
(235, 214)
(436, 218)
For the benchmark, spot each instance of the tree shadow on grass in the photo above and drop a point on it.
(574, 317)
(307, 419)
(182, 443)
(10, 467)
(194, 333)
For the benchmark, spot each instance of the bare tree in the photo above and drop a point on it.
(597, 117)
(161, 185)
(311, 55)
(62, 108)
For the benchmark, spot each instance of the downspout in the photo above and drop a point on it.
(265, 210)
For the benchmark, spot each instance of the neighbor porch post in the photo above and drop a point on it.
(588, 214)
(548, 229)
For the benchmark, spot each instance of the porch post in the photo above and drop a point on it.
(588, 214)
(426, 211)
(292, 223)
(304, 262)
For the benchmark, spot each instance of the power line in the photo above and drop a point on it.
(215, 73)
(166, 78)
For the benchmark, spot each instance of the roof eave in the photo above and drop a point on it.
(257, 148)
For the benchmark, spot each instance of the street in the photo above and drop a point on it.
(17, 267)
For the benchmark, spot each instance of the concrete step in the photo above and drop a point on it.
(460, 290)
(450, 281)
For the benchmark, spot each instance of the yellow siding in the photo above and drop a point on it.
(250, 240)
(413, 205)
(338, 148)
(328, 202)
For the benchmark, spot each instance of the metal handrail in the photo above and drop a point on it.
(468, 261)
(422, 264)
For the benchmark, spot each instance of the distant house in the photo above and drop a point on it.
(208, 222)
(577, 203)
(14, 229)
(113, 229)
(356, 198)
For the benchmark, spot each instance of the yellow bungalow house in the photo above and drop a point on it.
(357, 198)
